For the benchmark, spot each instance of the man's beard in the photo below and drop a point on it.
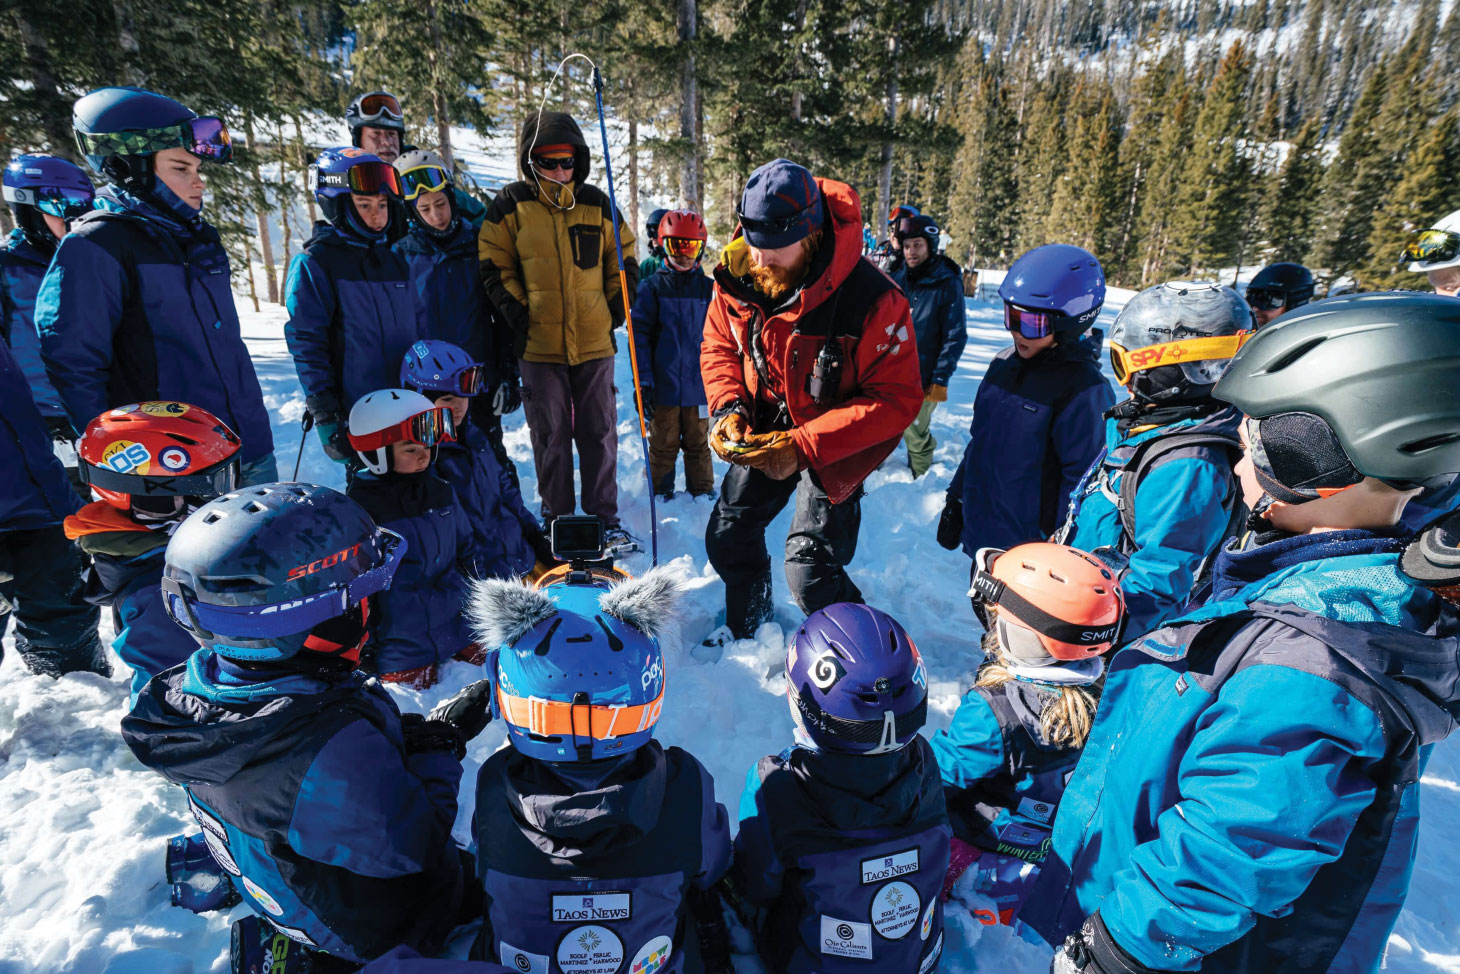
(777, 282)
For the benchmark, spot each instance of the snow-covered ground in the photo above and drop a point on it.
(83, 825)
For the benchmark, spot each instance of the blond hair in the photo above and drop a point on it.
(1067, 712)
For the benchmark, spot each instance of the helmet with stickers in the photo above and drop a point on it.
(152, 458)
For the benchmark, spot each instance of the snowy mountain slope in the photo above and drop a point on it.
(83, 825)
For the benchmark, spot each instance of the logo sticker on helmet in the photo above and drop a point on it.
(125, 456)
(165, 408)
(174, 458)
(319, 564)
(826, 670)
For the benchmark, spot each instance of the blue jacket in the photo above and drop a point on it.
(22, 267)
(493, 504)
(669, 327)
(1270, 824)
(447, 290)
(404, 960)
(841, 857)
(590, 865)
(938, 314)
(1182, 511)
(419, 619)
(137, 305)
(34, 492)
(1037, 425)
(351, 317)
(308, 796)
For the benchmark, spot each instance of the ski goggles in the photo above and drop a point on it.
(468, 381)
(290, 618)
(423, 179)
(1029, 323)
(554, 163)
(1297, 457)
(1432, 246)
(1265, 299)
(1126, 363)
(366, 178)
(215, 481)
(68, 203)
(428, 428)
(381, 105)
(683, 248)
(577, 721)
(205, 137)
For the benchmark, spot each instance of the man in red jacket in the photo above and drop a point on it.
(811, 367)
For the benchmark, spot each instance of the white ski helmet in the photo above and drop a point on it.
(396, 416)
(1173, 341)
(1450, 225)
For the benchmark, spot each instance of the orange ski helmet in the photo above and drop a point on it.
(149, 456)
(1060, 602)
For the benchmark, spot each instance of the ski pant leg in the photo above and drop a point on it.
(595, 431)
(820, 546)
(920, 440)
(64, 439)
(55, 627)
(694, 433)
(548, 404)
(735, 544)
(664, 435)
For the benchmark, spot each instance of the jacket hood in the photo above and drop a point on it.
(864, 791)
(558, 128)
(161, 207)
(99, 517)
(1123, 443)
(571, 811)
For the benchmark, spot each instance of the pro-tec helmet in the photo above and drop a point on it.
(119, 130)
(338, 172)
(579, 668)
(279, 571)
(433, 367)
(396, 416)
(1172, 342)
(1054, 289)
(376, 109)
(855, 681)
(149, 458)
(1054, 603)
(1436, 248)
(36, 185)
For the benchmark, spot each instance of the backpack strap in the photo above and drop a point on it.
(1151, 454)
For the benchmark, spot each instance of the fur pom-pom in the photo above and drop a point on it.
(647, 603)
(501, 612)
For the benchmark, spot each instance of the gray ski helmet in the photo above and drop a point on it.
(1154, 344)
(1381, 369)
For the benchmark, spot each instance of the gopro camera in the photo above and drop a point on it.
(577, 538)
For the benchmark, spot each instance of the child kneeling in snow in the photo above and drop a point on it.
(509, 541)
(595, 845)
(1050, 612)
(843, 840)
(396, 433)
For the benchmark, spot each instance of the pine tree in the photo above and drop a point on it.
(1427, 191)
(1149, 106)
(1289, 218)
(1352, 184)
(1085, 207)
(1159, 259)
(1042, 157)
(983, 198)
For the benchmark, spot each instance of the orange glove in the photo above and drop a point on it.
(936, 393)
(730, 428)
(773, 454)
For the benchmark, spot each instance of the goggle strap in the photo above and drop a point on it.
(561, 718)
(1202, 349)
(995, 592)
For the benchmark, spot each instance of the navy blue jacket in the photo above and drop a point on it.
(938, 314)
(588, 866)
(351, 317)
(499, 520)
(419, 618)
(307, 795)
(1037, 426)
(446, 288)
(841, 857)
(136, 306)
(669, 327)
(1248, 799)
(22, 268)
(34, 491)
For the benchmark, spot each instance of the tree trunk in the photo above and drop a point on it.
(634, 180)
(304, 162)
(689, 188)
(261, 211)
(285, 204)
(253, 293)
(438, 91)
(127, 45)
(699, 200)
(796, 95)
(884, 177)
(55, 111)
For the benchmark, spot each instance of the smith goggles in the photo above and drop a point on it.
(65, 202)
(205, 137)
(1030, 323)
(773, 227)
(1126, 363)
(423, 179)
(1432, 246)
(365, 178)
(427, 428)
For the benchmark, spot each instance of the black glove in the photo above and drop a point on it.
(1092, 950)
(646, 396)
(506, 397)
(714, 934)
(950, 525)
(469, 712)
(60, 429)
(423, 735)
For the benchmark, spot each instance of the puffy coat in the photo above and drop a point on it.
(669, 328)
(306, 792)
(34, 493)
(22, 268)
(1037, 426)
(938, 316)
(126, 574)
(1270, 824)
(548, 259)
(419, 620)
(1182, 512)
(500, 522)
(842, 858)
(137, 306)
(351, 317)
(846, 297)
(590, 865)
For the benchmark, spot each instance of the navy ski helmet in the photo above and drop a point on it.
(652, 226)
(374, 109)
(39, 186)
(856, 681)
(119, 130)
(1054, 289)
(342, 170)
(433, 367)
(279, 571)
(1282, 285)
(579, 668)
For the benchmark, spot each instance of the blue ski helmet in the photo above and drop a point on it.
(45, 185)
(653, 225)
(118, 130)
(1063, 280)
(856, 681)
(579, 669)
(433, 367)
(279, 571)
(343, 170)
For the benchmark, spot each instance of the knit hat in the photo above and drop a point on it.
(781, 205)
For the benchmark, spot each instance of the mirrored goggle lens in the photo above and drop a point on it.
(471, 381)
(682, 248)
(68, 204)
(428, 429)
(373, 178)
(374, 106)
(424, 179)
(1264, 300)
(1433, 246)
(1029, 324)
(208, 138)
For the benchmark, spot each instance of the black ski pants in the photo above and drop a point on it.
(55, 627)
(820, 545)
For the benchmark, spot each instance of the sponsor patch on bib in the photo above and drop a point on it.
(590, 949)
(927, 927)
(844, 938)
(525, 961)
(881, 868)
(895, 910)
(931, 961)
(653, 956)
(590, 907)
(264, 899)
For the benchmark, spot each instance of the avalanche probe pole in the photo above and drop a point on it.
(623, 282)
